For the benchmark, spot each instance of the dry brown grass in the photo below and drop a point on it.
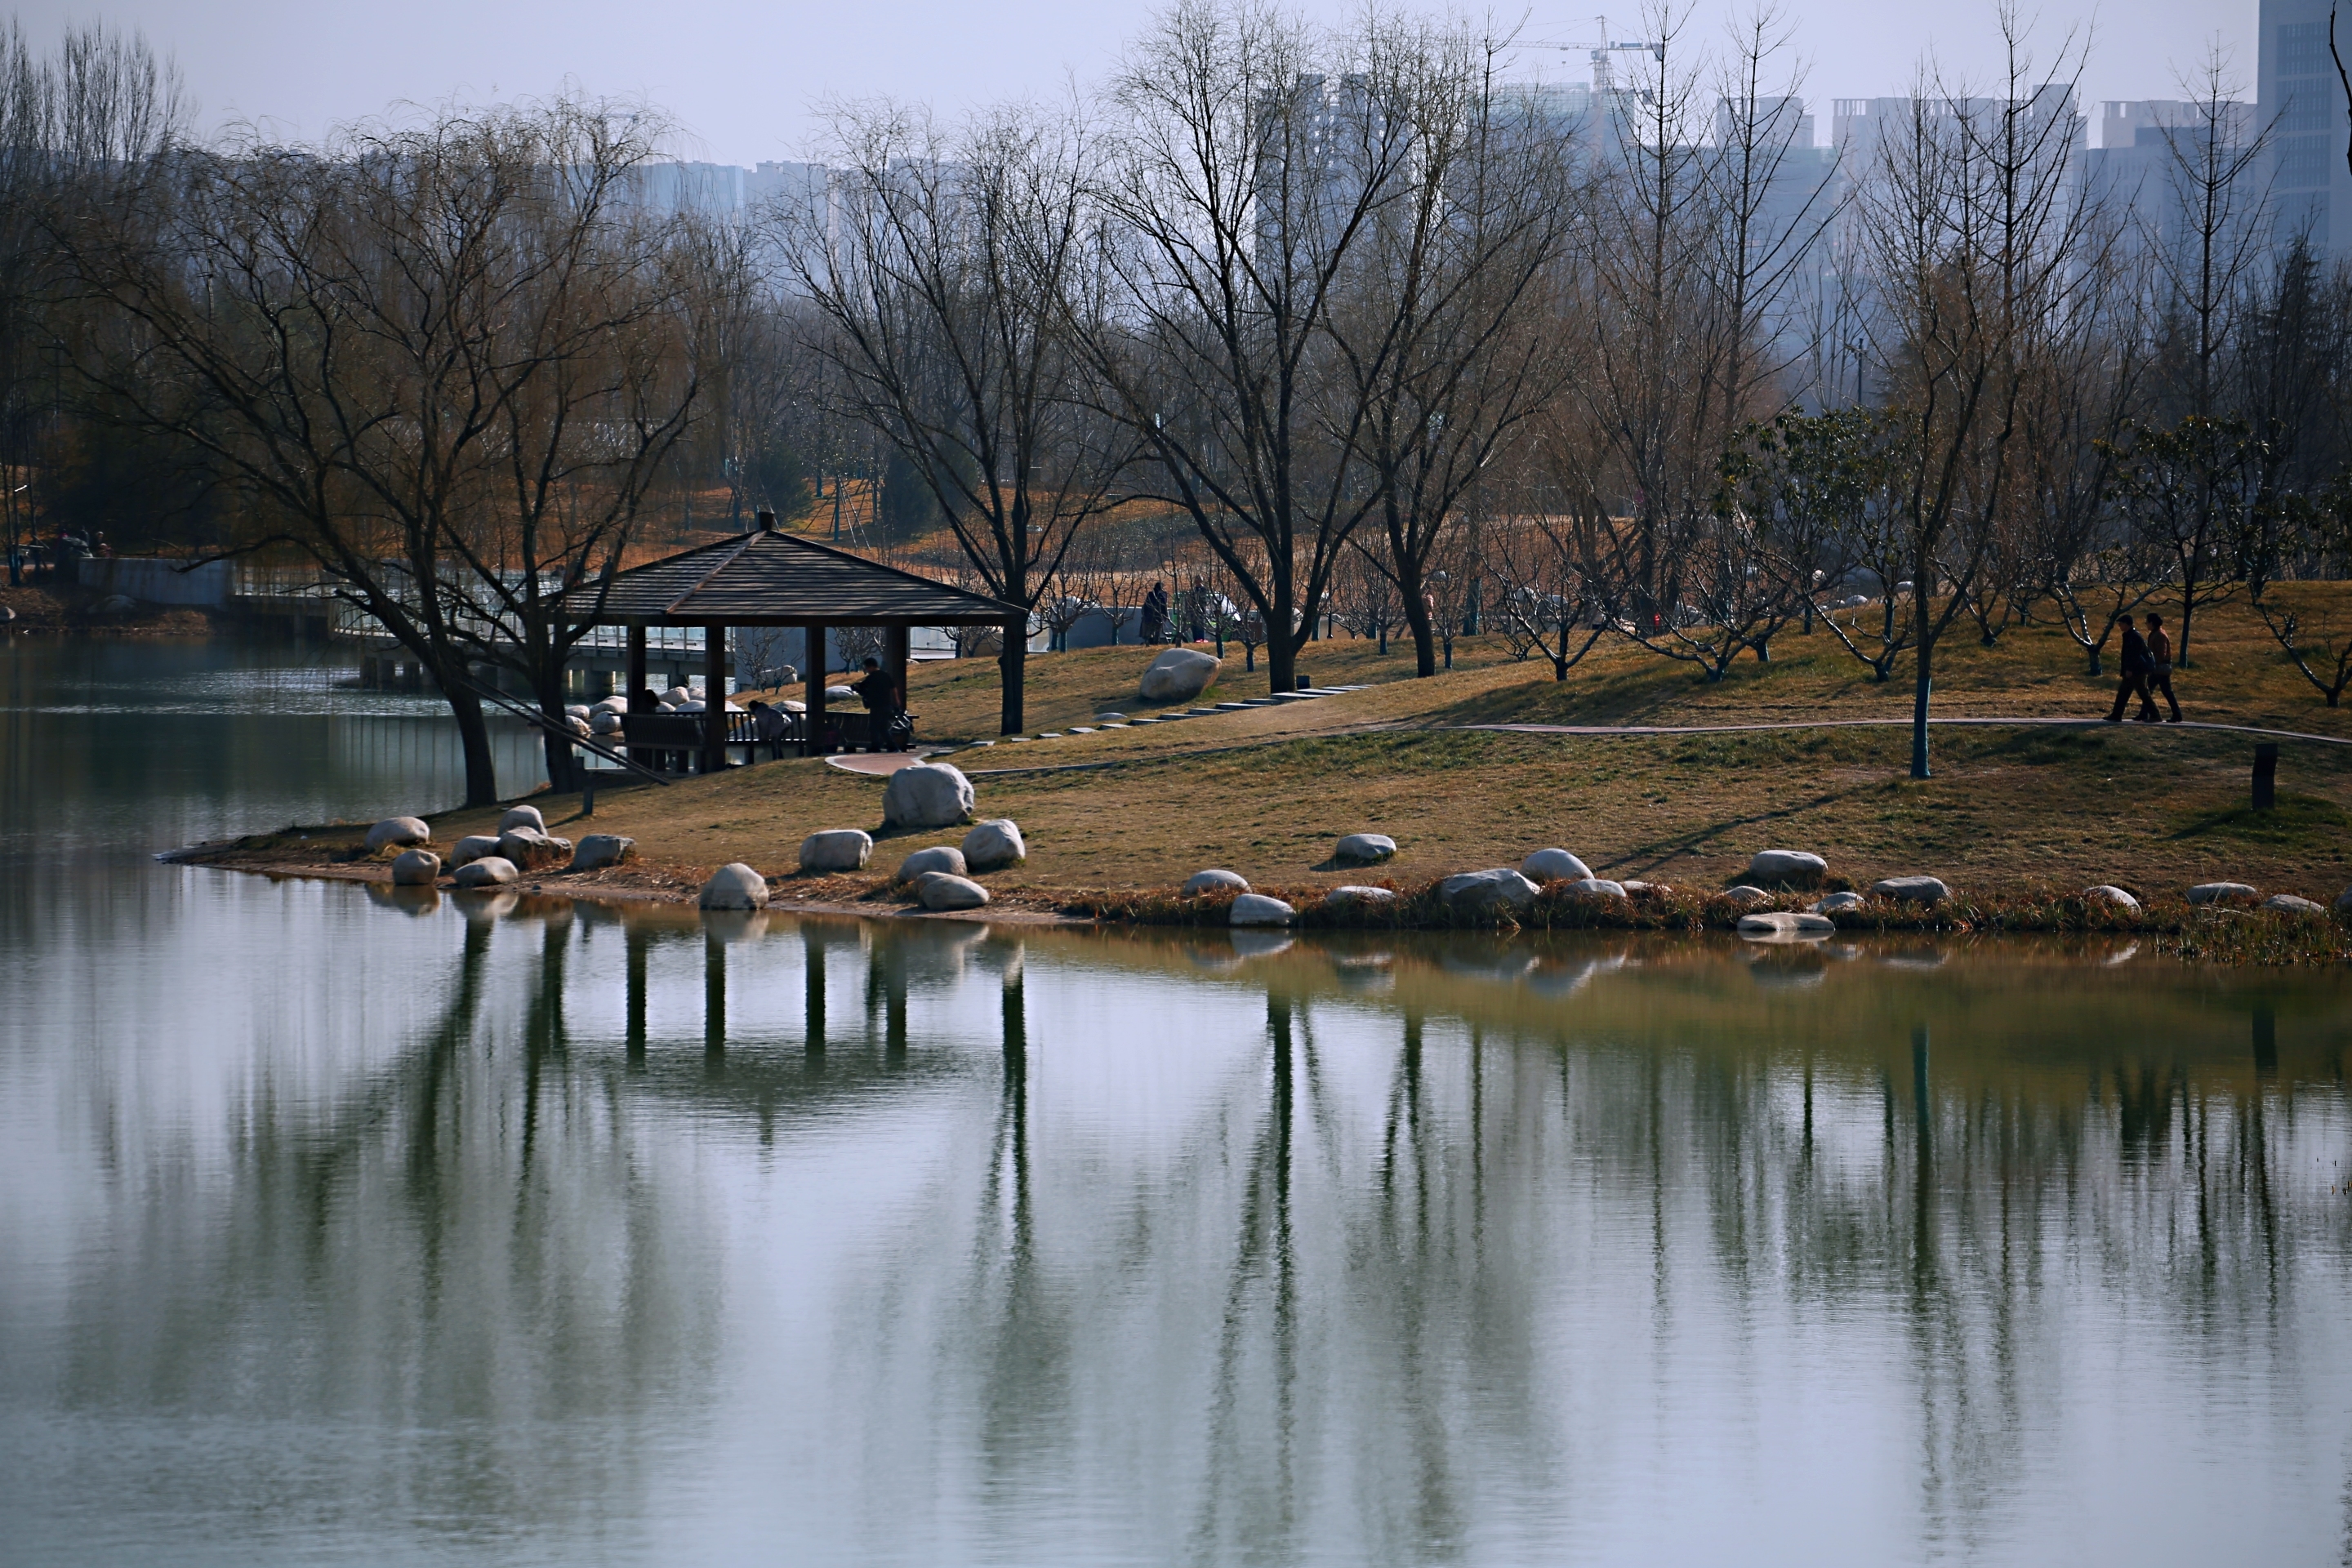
(1266, 792)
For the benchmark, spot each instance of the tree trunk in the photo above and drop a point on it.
(1011, 665)
(1919, 693)
(1424, 634)
(474, 742)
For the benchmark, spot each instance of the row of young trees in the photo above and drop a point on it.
(1396, 342)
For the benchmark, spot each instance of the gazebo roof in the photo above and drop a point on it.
(768, 579)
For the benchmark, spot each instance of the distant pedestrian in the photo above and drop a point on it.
(2135, 677)
(1196, 610)
(1155, 614)
(2160, 669)
(879, 692)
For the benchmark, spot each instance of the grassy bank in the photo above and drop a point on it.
(2017, 820)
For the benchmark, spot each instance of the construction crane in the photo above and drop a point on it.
(1604, 80)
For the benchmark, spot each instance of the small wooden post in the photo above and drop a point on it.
(814, 718)
(2265, 775)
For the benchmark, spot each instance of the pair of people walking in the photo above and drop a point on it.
(2146, 670)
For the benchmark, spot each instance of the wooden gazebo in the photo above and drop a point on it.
(768, 578)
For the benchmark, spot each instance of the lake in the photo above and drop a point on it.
(345, 1228)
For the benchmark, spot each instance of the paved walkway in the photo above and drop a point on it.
(2042, 721)
(881, 764)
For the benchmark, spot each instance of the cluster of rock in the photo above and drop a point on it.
(521, 844)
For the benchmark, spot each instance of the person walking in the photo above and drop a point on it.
(2135, 677)
(1155, 614)
(2160, 669)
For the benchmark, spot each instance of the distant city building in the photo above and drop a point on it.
(2300, 96)
(726, 190)
(2148, 151)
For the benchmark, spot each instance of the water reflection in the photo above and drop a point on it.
(650, 1236)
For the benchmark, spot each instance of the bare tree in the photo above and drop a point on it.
(948, 267)
(1975, 229)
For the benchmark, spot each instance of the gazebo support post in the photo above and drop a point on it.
(897, 657)
(636, 679)
(714, 699)
(814, 720)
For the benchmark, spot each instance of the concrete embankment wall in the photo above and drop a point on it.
(158, 582)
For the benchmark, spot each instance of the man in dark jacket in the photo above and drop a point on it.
(879, 692)
(2135, 677)
(1155, 614)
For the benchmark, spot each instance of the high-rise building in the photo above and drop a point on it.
(2299, 94)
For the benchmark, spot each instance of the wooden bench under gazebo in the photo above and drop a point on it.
(769, 578)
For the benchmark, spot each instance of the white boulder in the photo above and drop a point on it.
(945, 857)
(1771, 924)
(1788, 868)
(836, 849)
(1830, 903)
(1365, 849)
(1474, 892)
(1747, 894)
(2280, 903)
(605, 721)
(993, 844)
(2108, 893)
(598, 850)
(1911, 889)
(1553, 866)
(734, 885)
(522, 816)
(928, 794)
(490, 871)
(677, 695)
(471, 848)
(416, 868)
(946, 891)
(617, 703)
(1257, 910)
(2221, 892)
(533, 850)
(1178, 675)
(1352, 898)
(1595, 888)
(1213, 881)
(399, 830)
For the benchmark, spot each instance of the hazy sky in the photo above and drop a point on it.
(742, 76)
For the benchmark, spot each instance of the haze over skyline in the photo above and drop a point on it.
(743, 80)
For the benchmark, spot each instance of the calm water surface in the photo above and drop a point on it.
(336, 1229)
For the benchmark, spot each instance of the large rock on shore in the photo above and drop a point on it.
(734, 885)
(1747, 893)
(1213, 881)
(2222, 893)
(1553, 866)
(599, 850)
(1257, 910)
(1355, 898)
(1178, 675)
(994, 844)
(836, 849)
(1484, 892)
(928, 794)
(417, 868)
(1364, 849)
(2108, 893)
(941, 857)
(471, 848)
(1830, 903)
(490, 871)
(2289, 904)
(533, 850)
(946, 891)
(1787, 868)
(399, 830)
(1911, 889)
(522, 816)
(1595, 888)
